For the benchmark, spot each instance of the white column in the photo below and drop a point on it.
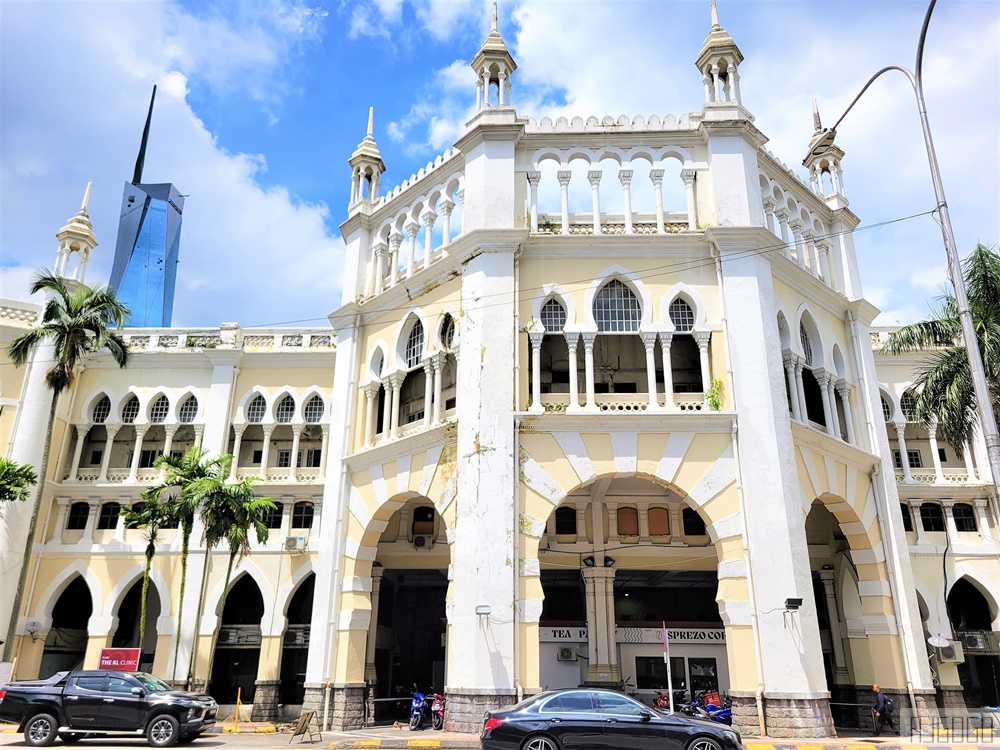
(564, 177)
(109, 444)
(812, 253)
(169, 431)
(93, 508)
(823, 248)
(783, 214)
(612, 510)
(668, 373)
(588, 363)
(844, 391)
(501, 87)
(322, 449)
(428, 390)
(370, 673)
(826, 576)
(643, 511)
(969, 467)
(533, 180)
(594, 177)
(935, 458)
(903, 457)
(265, 452)
(734, 77)
(371, 398)
(702, 338)
(801, 391)
(983, 521)
(676, 528)
(395, 241)
(800, 255)
(688, 175)
(199, 434)
(536, 372)
(396, 381)
(949, 522)
(829, 407)
(294, 461)
(656, 177)
(625, 178)
(708, 88)
(793, 386)
(428, 217)
(238, 430)
(381, 251)
(572, 340)
(140, 431)
(918, 523)
(386, 408)
(412, 229)
(769, 205)
(446, 206)
(403, 533)
(81, 438)
(440, 360)
(649, 342)
(715, 84)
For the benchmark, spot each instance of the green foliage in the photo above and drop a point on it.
(150, 515)
(714, 394)
(16, 482)
(944, 382)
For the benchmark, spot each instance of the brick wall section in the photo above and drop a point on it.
(745, 719)
(265, 701)
(798, 717)
(347, 708)
(464, 712)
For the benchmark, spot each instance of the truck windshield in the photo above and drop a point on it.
(152, 684)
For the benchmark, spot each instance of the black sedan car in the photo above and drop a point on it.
(595, 719)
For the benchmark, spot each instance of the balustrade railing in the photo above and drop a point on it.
(929, 476)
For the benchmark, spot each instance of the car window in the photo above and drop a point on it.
(619, 705)
(570, 703)
(152, 684)
(91, 683)
(119, 685)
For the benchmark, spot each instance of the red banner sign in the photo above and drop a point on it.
(121, 659)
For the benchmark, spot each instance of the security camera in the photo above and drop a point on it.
(793, 604)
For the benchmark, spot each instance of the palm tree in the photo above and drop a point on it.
(945, 380)
(149, 515)
(230, 511)
(16, 482)
(76, 321)
(181, 476)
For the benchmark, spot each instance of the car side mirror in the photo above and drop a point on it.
(645, 716)
(138, 691)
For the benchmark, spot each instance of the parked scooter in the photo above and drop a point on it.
(661, 701)
(713, 712)
(418, 709)
(437, 711)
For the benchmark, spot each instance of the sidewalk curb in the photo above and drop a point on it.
(398, 744)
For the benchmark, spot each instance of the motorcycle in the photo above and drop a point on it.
(661, 701)
(418, 707)
(437, 711)
(698, 708)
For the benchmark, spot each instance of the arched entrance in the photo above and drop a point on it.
(620, 558)
(66, 642)
(972, 616)
(237, 650)
(295, 646)
(129, 615)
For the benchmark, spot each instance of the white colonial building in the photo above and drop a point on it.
(587, 376)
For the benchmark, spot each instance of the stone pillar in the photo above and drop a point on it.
(656, 177)
(702, 338)
(446, 206)
(603, 668)
(533, 179)
(412, 228)
(983, 521)
(564, 178)
(81, 438)
(643, 512)
(238, 429)
(371, 398)
(535, 338)
(836, 637)
(809, 239)
(294, 459)
(395, 242)
(370, 675)
(824, 262)
(844, 391)
(969, 467)
(265, 700)
(428, 390)
(93, 508)
(140, 432)
(668, 373)
(649, 342)
(688, 175)
(783, 215)
(594, 177)
(265, 452)
(612, 511)
(935, 457)
(438, 363)
(588, 363)
(793, 386)
(949, 522)
(572, 339)
(829, 411)
(199, 435)
(800, 255)
(676, 529)
(801, 390)
(168, 443)
(918, 523)
(904, 458)
(625, 178)
(769, 204)
(381, 251)
(428, 217)
(387, 408)
(396, 382)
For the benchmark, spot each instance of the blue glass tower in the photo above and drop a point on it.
(144, 272)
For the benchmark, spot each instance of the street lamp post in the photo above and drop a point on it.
(986, 417)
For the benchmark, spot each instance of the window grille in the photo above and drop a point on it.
(102, 410)
(78, 515)
(916, 461)
(886, 410)
(807, 350)
(158, 412)
(130, 411)
(908, 405)
(965, 517)
(285, 411)
(616, 309)
(694, 525)
(566, 520)
(931, 517)
(681, 315)
(302, 516)
(415, 345)
(109, 516)
(284, 459)
(314, 409)
(256, 409)
(188, 410)
(272, 518)
(553, 316)
(448, 332)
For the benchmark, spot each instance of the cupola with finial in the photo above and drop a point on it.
(76, 237)
(366, 166)
(493, 65)
(823, 161)
(718, 62)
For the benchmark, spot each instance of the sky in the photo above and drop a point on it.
(261, 103)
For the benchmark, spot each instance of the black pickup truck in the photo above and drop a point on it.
(74, 705)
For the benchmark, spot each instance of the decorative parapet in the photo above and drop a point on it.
(230, 336)
(788, 170)
(432, 166)
(18, 313)
(609, 124)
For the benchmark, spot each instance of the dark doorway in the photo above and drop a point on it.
(647, 598)
(565, 600)
(972, 621)
(295, 649)
(66, 643)
(129, 614)
(237, 652)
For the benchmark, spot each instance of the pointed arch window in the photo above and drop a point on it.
(553, 316)
(616, 309)
(130, 411)
(102, 410)
(256, 409)
(314, 410)
(158, 412)
(188, 410)
(414, 345)
(681, 315)
(807, 350)
(448, 332)
(886, 410)
(908, 405)
(285, 411)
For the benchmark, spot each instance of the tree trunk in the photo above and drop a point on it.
(29, 542)
(185, 540)
(218, 623)
(197, 619)
(150, 551)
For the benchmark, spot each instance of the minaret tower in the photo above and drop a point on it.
(493, 65)
(823, 163)
(76, 237)
(366, 167)
(718, 62)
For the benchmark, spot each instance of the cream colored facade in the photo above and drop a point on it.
(501, 468)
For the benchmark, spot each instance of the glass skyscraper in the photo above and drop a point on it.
(146, 254)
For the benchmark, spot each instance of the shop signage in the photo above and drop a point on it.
(120, 659)
(636, 635)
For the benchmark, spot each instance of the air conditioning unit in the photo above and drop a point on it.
(975, 641)
(296, 544)
(567, 653)
(423, 541)
(224, 636)
(952, 653)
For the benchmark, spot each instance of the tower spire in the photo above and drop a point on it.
(715, 16)
(493, 65)
(817, 123)
(76, 237)
(85, 206)
(493, 23)
(718, 63)
(366, 165)
(140, 161)
(371, 123)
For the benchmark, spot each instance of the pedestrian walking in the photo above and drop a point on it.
(882, 710)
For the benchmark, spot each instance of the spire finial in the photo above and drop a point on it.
(141, 160)
(493, 23)
(371, 121)
(86, 199)
(715, 16)
(817, 123)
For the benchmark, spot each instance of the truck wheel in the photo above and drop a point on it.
(71, 738)
(41, 730)
(163, 731)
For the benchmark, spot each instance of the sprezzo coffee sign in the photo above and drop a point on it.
(636, 635)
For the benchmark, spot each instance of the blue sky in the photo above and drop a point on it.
(261, 103)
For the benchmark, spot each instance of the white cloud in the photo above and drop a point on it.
(930, 279)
